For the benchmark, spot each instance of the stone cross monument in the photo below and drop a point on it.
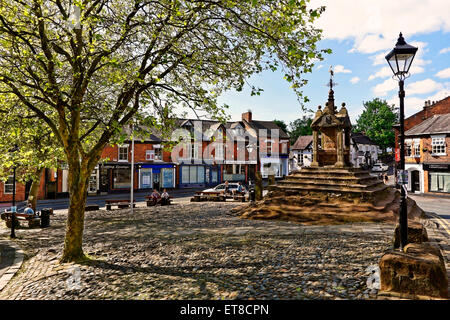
(334, 128)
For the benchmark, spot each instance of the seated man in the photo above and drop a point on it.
(165, 198)
(29, 210)
(239, 189)
(155, 196)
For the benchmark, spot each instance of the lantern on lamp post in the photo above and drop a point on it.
(400, 59)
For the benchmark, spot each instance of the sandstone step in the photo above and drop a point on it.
(337, 189)
(324, 176)
(323, 182)
(328, 183)
(332, 169)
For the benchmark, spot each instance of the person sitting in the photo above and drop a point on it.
(165, 198)
(155, 196)
(29, 210)
(239, 189)
(226, 190)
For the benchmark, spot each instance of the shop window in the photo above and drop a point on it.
(439, 182)
(438, 145)
(8, 185)
(122, 178)
(193, 174)
(123, 153)
(168, 178)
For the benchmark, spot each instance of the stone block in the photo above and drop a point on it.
(417, 233)
(420, 271)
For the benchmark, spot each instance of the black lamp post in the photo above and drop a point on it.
(400, 59)
(13, 208)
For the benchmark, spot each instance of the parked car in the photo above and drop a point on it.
(379, 167)
(221, 188)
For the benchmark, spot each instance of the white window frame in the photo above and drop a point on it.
(438, 141)
(408, 143)
(219, 151)
(158, 155)
(149, 155)
(118, 151)
(9, 184)
(269, 152)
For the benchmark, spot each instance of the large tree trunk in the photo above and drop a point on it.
(34, 190)
(78, 183)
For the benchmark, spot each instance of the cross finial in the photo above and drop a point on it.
(331, 83)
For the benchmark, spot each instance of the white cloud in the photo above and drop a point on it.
(341, 69)
(415, 104)
(374, 26)
(424, 86)
(445, 50)
(382, 73)
(320, 66)
(443, 73)
(386, 86)
(354, 80)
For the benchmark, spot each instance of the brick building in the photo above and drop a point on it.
(206, 161)
(427, 140)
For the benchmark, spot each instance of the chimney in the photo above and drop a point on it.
(247, 116)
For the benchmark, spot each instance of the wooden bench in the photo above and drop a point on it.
(209, 196)
(92, 207)
(239, 196)
(33, 220)
(120, 203)
(150, 202)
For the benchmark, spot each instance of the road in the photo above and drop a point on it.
(63, 203)
(435, 206)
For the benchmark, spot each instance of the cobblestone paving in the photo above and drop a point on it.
(198, 251)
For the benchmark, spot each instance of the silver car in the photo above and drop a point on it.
(379, 167)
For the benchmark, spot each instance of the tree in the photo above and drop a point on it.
(300, 127)
(37, 148)
(282, 125)
(376, 122)
(85, 70)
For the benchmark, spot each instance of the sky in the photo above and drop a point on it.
(361, 33)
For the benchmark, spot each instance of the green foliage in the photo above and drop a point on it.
(300, 127)
(36, 144)
(282, 125)
(376, 122)
(87, 76)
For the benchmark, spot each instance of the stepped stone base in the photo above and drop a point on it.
(330, 195)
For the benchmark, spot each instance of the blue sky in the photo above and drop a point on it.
(361, 33)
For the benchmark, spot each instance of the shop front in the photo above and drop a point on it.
(192, 176)
(158, 176)
(438, 177)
